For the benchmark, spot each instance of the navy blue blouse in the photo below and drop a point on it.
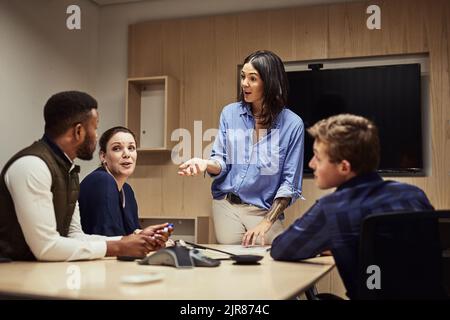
(101, 208)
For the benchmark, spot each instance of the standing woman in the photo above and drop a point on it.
(257, 157)
(107, 203)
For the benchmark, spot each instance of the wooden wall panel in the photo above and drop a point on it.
(253, 32)
(281, 33)
(145, 55)
(147, 184)
(172, 65)
(412, 14)
(171, 51)
(439, 85)
(203, 54)
(310, 40)
(394, 27)
(348, 35)
(199, 91)
(227, 58)
(445, 120)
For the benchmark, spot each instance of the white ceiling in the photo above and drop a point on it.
(299, 2)
(107, 2)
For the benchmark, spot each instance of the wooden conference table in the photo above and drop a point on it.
(103, 279)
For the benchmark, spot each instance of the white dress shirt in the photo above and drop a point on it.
(29, 182)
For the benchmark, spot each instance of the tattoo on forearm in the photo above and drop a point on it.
(213, 168)
(277, 208)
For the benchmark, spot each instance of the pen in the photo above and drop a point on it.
(166, 229)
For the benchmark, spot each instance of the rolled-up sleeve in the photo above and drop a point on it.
(219, 150)
(292, 174)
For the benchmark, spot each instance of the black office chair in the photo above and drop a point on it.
(411, 250)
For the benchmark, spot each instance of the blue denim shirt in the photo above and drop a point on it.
(258, 172)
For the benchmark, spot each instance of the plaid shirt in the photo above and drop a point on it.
(333, 222)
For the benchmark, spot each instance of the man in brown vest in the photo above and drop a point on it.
(39, 186)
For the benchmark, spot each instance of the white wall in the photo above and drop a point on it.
(39, 56)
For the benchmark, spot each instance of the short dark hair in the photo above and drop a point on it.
(276, 85)
(349, 137)
(64, 109)
(108, 134)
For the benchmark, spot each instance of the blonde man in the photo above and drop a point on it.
(346, 155)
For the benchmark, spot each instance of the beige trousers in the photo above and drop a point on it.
(231, 221)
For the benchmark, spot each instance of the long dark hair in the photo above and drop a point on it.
(272, 73)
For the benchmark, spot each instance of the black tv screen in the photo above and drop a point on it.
(390, 96)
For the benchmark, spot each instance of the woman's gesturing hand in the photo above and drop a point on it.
(193, 167)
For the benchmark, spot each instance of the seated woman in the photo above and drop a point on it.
(107, 203)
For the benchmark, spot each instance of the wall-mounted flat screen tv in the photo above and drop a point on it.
(388, 95)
